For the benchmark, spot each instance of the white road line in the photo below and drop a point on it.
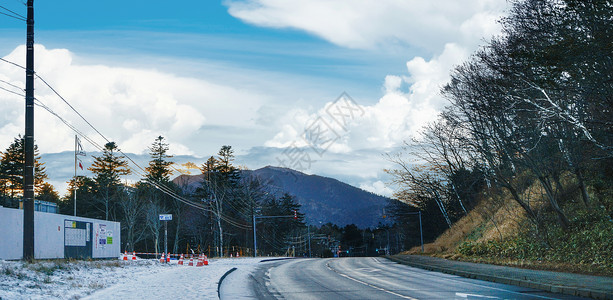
(370, 285)
(428, 272)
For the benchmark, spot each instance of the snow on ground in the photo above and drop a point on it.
(117, 279)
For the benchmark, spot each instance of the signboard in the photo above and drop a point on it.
(77, 239)
(167, 217)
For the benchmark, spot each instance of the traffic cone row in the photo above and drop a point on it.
(200, 262)
(125, 256)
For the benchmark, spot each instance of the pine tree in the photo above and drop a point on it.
(107, 170)
(159, 167)
(12, 165)
(47, 193)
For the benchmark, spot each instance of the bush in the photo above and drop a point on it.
(589, 241)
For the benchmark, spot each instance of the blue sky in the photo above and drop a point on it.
(203, 30)
(248, 73)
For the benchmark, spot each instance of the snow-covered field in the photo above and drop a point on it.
(117, 279)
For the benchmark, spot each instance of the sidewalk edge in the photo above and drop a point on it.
(581, 292)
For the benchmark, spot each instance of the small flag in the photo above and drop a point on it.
(80, 164)
(80, 148)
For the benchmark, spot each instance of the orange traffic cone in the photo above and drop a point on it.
(125, 256)
(206, 261)
(133, 255)
(168, 258)
(181, 259)
(191, 260)
(162, 259)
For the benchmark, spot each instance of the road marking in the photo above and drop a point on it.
(369, 270)
(370, 285)
(468, 281)
(463, 295)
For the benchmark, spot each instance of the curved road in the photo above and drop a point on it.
(374, 278)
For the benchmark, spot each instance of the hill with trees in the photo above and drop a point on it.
(520, 163)
(322, 199)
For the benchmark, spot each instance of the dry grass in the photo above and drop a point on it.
(481, 224)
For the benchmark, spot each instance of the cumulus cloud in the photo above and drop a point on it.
(130, 106)
(370, 23)
(378, 187)
(450, 29)
(409, 102)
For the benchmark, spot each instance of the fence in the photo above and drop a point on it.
(59, 236)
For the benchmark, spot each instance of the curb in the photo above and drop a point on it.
(511, 281)
(221, 280)
(275, 259)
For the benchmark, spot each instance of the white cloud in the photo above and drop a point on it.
(130, 106)
(370, 23)
(378, 187)
(451, 29)
(395, 118)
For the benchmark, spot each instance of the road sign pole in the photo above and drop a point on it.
(165, 218)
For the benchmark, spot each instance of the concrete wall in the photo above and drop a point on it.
(50, 235)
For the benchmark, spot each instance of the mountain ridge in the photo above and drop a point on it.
(322, 199)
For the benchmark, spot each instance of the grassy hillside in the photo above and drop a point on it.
(503, 235)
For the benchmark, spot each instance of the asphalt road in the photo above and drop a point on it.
(374, 278)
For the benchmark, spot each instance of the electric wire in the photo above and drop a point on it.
(13, 92)
(14, 17)
(13, 85)
(14, 13)
(160, 187)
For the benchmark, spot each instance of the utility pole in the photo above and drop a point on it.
(255, 238)
(28, 178)
(76, 145)
(309, 235)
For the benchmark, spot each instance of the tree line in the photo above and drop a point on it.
(214, 215)
(216, 218)
(529, 118)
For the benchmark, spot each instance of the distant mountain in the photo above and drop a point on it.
(323, 199)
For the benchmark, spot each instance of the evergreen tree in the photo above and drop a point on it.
(107, 170)
(47, 193)
(12, 169)
(159, 167)
(86, 204)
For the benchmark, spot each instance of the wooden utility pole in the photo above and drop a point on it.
(28, 178)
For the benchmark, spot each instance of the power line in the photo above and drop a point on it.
(12, 63)
(14, 13)
(22, 95)
(159, 186)
(14, 17)
(13, 85)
